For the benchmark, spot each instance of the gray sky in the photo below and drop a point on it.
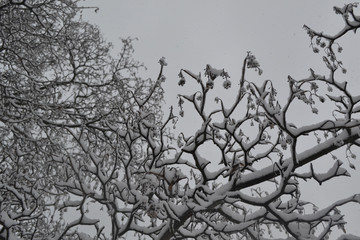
(191, 34)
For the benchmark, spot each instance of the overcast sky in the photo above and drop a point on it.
(191, 34)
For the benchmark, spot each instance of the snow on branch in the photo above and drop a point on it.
(85, 142)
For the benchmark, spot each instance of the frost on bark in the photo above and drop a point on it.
(84, 142)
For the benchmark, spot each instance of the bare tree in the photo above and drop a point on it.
(67, 107)
(255, 129)
(82, 134)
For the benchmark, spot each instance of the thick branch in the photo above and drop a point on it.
(251, 179)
